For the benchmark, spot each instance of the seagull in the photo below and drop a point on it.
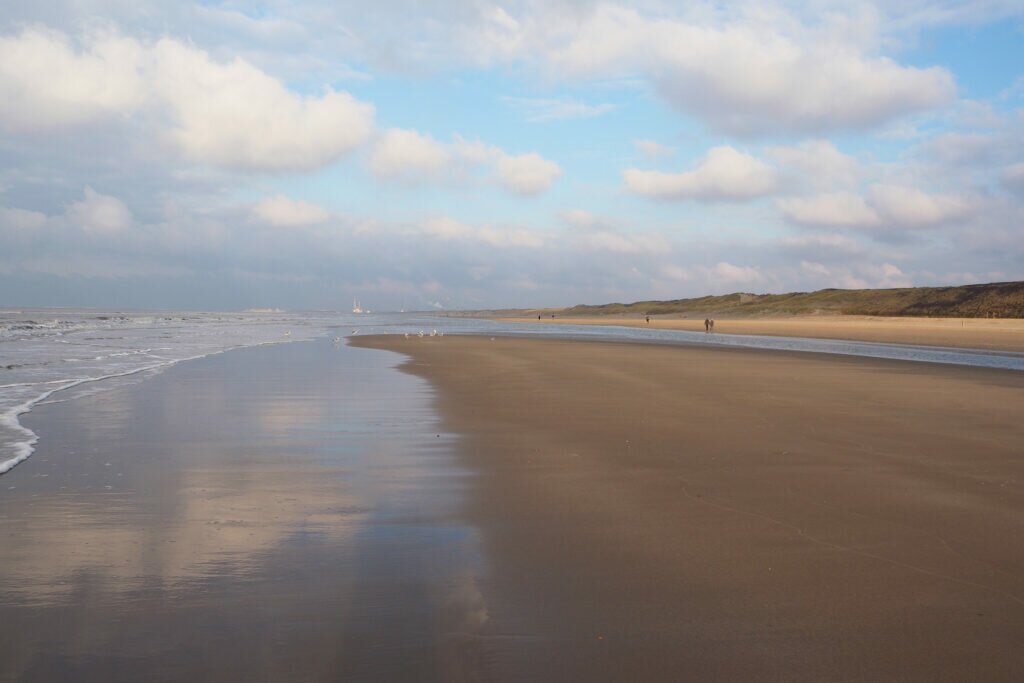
(356, 331)
(288, 333)
(433, 333)
(421, 334)
(406, 335)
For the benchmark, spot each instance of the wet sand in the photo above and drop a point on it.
(967, 333)
(286, 513)
(662, 513)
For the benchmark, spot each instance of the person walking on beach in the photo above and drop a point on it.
(707, 324)
(712, 325)
(648, 320)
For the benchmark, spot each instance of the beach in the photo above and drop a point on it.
(280, 513)
(476, 508)
(967, 333)
(671, 513)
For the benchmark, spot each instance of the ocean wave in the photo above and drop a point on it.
(44, 356)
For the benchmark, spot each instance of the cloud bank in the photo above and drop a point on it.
(226, 114)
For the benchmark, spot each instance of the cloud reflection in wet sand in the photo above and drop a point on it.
(287, 511)
(224, 521)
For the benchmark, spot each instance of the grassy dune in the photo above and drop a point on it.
(994, 300)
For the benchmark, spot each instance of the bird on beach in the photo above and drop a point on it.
(433, 333)
(406, 335)
(421, 334)
(355, 331)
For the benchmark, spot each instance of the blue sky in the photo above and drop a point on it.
(223, 155)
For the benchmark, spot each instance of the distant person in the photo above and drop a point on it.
(707, 324)
(538, 317)
(712, 321)
(648, 320)
(552, 316)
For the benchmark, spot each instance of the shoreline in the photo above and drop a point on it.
(662, 513)
(282, 511)
(989, 334)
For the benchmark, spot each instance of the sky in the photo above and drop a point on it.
(467, 154)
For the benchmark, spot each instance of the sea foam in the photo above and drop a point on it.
(51, 351)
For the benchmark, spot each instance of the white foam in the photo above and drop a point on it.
(40, 358)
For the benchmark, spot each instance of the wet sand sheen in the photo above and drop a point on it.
(658, 513)
(964, 333)
(281, 513)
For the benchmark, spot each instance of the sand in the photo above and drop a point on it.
(283, 513)
(972, 333)
(662, 513)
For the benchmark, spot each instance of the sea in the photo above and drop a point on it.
(58, 354)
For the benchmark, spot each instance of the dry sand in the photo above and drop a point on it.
(658, 513)
(972, 333)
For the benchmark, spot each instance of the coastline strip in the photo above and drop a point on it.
(23, 448)
(967, 333)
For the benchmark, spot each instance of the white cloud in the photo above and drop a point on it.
(724, 174)
(21, 220)
(818, 163)
(100, 214)
(226, 114)
(413, 156)
(753, 77)
(728, 273)
(822, 245)
(677, 273)
(1013, 177)
(273, 29)
(540, 110)
(814, 268)
(653, 149)
(46, 83)
(527, 174)
(886, 275)
(606, 240)
(408, 154)
(446, 228)
(237, 116)
(834, 209)
(910, 207)
(959, 148)
(578, 218)
(884, 205)
(285, 212)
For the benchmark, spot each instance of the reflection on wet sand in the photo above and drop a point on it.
(285, 512)
(224, 522)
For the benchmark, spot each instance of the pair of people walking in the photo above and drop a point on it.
(709, 324)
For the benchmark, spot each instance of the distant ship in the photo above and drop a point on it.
(356, 308)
